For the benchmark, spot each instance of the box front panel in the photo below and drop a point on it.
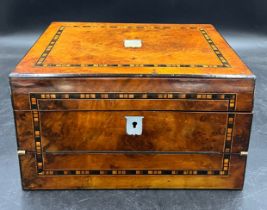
(71, 143)
(92, 143)
(76, 137)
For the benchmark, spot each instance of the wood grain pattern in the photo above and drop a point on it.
(56, 134)
(124, 162)
(168, 49)
(138, 104)
(105, 131)
(242, 88)
(73, 89)
(31, 181)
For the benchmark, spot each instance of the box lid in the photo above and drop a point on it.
(119, 49)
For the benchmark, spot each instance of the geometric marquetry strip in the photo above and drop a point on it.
(136, 65)
(120, 95)
(87, 95)
(224, 63)
(49, 47)
(215, 48)
(37, 138)
(231, 98)
(134, 172)
(228, 143)
(134, 27)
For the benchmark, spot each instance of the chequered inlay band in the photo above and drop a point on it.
(231, 98)
(203, 32)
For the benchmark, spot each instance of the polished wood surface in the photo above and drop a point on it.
(162, 131)
(53, 161)
(58, 136)
(32, 181)
(242, 88)
(97, 49)
(74, 88)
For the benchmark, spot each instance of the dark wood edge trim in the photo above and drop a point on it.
(250, 127)
(134, 188)
(16, 135)
(72, 75)
(21, 172)
(254, 93)
(14, 114)
(244, 172)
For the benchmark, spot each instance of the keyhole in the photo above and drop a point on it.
(134, 124)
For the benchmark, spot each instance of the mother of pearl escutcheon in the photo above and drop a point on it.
(134, 125)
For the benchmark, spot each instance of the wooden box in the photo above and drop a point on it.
(76, 91)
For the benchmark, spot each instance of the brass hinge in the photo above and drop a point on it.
(243, 153)
(21, 152)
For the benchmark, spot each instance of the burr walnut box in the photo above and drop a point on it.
(121, 106)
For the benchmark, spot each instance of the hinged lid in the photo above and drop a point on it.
(109, 49)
